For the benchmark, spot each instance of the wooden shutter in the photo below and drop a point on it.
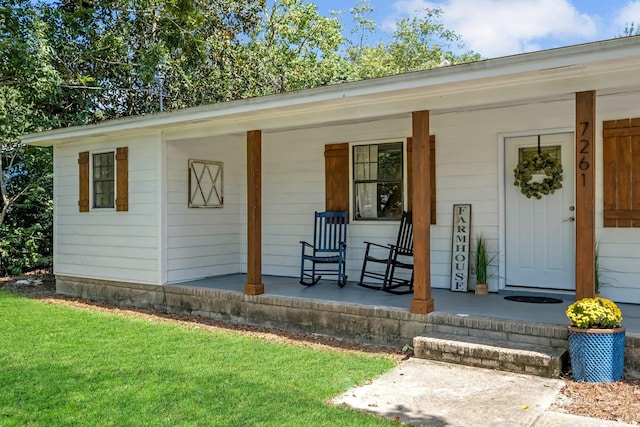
(432, 146)
(122, 179)
(336, 163)
(621, 172)
(83, 188)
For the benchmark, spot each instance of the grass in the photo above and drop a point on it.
(68, 366)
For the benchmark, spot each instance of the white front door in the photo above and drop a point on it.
(540, 233)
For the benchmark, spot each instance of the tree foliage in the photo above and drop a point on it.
(75, 62)
(123, 49)
(294, 48)
(418, 43)
(26, 81)
(631, 29)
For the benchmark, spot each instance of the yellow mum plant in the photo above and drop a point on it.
(600, 313)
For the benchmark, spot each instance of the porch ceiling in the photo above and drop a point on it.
(607, 67)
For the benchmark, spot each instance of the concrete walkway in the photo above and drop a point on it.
(426, 393)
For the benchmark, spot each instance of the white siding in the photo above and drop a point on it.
(106, 244)
(204, 242)
(619, 248)
(467, 172)
(294, 188)
(467, 169)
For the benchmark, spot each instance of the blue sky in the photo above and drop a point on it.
(496, 28)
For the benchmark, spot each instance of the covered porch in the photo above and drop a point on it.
(467, 120)
(421, 202)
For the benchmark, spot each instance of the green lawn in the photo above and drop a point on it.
(69, 366)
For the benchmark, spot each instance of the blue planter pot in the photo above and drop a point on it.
(597, 355)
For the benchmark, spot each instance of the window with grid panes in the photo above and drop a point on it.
(103, 180)
(377, 181)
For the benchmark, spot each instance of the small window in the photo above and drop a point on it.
(377, 181)
(554, 151)
(103, 174)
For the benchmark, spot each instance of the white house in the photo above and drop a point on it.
(232, 187)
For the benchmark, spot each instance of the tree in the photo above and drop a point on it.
(25, 173)
(364, 28)
(294, 48)
(631, 29)
(26, 210)
(125, 48)
(418, 43)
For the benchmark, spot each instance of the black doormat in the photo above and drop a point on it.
(534, 300)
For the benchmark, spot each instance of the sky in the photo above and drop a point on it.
(495, 28)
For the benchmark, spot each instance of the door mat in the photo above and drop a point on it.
(533, 300)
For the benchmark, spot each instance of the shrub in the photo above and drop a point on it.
(24, 248)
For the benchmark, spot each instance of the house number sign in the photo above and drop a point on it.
(460, 247)
(584, 151)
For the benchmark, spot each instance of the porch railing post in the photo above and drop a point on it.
(422, 302)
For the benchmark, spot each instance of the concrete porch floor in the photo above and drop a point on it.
(457, 303)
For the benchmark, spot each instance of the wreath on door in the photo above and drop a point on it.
(528, 167)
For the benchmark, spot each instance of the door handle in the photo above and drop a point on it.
(570, 219)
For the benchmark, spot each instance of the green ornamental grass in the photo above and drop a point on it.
(66, 366)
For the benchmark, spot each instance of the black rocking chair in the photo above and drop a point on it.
(329, 247)
(393, 257)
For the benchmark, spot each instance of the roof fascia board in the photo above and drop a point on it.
(494, 94)
(523, 67)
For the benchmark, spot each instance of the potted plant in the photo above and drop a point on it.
(481, 262)
(596, 340)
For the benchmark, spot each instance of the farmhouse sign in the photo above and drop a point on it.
(460, 247)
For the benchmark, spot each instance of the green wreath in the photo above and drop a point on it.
(539, 162)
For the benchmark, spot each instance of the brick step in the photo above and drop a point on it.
(544, 339)
(483, 352)
(500, 329)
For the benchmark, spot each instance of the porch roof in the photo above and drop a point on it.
(608, 67)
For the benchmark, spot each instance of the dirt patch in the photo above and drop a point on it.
(616, 401)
